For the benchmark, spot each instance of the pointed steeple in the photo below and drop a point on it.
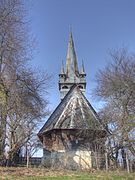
(71, 61)
(70, 75)
(82, 71)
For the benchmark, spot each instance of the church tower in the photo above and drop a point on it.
(71, 75)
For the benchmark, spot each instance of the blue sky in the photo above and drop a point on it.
(97, 26)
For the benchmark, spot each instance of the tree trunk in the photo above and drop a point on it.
(97, 160)
(28, 159)
(127, 163)
(124, 158)
(2, 134)
(106, 161)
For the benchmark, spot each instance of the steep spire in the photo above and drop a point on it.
(70, 75)
(71, 61)
(82, 71)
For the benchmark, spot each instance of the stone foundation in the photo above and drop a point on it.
(79, 159)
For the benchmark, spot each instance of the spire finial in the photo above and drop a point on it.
(70, 29)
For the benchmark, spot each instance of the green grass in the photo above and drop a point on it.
(23, 173)
(80, 176)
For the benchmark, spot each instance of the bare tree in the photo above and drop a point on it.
(26, 107)
(116, 86)
(23, 99)
(32, 146)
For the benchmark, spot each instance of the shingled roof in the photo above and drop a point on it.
(74, 112)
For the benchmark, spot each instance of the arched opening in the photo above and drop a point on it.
(65, 87)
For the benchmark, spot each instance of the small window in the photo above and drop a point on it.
(81, 87)
(82, 75)
(64, 87)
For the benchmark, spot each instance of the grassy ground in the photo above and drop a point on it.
(46, 174)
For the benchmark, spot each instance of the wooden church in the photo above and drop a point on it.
(73, 136)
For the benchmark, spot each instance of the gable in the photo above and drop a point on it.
(74, 112)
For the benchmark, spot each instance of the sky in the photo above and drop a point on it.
(98, 26)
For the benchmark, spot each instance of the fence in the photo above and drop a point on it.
(33, 161)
